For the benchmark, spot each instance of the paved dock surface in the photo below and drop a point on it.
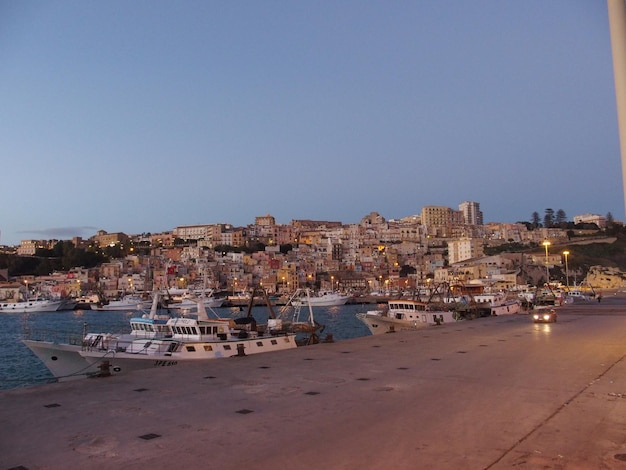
(491, 393)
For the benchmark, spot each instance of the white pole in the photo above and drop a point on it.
(617, 26)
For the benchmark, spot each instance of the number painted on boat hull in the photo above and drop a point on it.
(165, 363)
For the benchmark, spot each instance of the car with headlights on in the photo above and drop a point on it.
(544, 315)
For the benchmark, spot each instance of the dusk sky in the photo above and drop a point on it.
(142, 116)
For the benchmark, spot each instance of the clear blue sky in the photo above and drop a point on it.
(141, 116)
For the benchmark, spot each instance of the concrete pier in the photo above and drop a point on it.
(491, 393)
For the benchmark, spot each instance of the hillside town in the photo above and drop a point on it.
(373, 257)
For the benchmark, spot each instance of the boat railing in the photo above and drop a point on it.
(53, 336)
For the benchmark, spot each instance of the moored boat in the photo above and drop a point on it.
(30, 305)
(322, 299)
(404, 315)
(186, 302)
(506, 307)
(156, 342)
(128, 302)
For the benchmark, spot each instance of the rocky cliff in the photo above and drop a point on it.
(603, 277)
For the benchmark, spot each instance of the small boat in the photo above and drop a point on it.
(30, 305)
(576, 294)
(186, 301)
(128, 302)
(497, 303)
(506, 307)
(322, 299)
(405, 315)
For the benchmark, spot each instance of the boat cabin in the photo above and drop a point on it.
(149, 328)
(191, 329)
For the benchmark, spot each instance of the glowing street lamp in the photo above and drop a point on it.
(566, 254)
(546, 244)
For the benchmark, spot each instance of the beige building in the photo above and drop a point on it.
(464, 248)
(472, 215)
(28, 247)
(599, 220)
(103, 238)
(440, 215)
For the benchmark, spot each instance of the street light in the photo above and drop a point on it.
(546, 243)
(566, 254)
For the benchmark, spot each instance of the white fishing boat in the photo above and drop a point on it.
(506, 307)
(404, 315)
(575, 295)
(322, 299)
(128, 302)
(30, 305)
(497, 303)
(62, 356)
(186, 301)
(154, 342)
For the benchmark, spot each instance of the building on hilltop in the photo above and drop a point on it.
(265, 220)
(103, 238)
(28, 247)
(440, 216)
(206, 232)
(314, 224)
(373, 218)
(599, 220)
(472, 214)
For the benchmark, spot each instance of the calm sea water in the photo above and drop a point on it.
(20, 367)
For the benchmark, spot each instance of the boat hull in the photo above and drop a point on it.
(119, 308)
(321, 302)
(508, 308)
(378, 323)
(69, 362)
(30, 306)
(62, 360)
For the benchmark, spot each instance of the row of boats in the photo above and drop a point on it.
(180, 300)
(414, 314)
(156, 340)
(407, 314)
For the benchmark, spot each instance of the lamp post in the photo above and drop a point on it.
(546, 244)
(566, 254)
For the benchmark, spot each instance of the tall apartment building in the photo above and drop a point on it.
(471, 213)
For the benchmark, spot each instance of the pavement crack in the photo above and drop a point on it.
(556, 412)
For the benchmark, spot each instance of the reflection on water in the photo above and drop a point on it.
(20, 367)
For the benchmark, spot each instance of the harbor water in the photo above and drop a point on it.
(20, 367)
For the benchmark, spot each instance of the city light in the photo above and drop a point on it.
(566, 254)
(546, 244)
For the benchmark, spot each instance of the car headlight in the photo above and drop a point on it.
(536, 317)
(546, 317)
